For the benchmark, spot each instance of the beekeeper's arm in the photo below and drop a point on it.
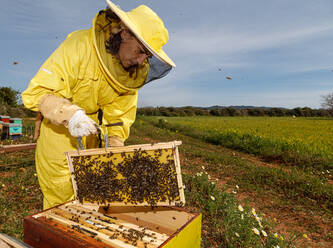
(121, 109)
(50, 89)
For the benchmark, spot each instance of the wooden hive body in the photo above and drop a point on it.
(74, 225)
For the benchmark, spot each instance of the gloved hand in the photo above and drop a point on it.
(81, 125)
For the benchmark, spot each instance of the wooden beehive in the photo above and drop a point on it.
(75, 225)
(137, 175)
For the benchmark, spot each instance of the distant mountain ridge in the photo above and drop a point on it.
(240, 107)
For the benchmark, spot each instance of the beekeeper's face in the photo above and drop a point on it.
(131, 51)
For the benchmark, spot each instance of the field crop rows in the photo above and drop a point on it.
(302, 142)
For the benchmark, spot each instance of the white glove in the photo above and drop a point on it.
(81, 125)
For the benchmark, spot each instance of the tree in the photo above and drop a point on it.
(9, 96)
(327, 101)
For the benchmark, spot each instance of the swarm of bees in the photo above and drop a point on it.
(136, 178)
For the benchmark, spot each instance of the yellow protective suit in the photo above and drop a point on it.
(81, 71)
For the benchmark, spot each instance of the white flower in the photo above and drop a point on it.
(254, 212)
(275, 235)
(234, 192)
(237, 187)
(240, 208)
(203, 167)
(256, 231)
(264, 233)
(237, 234)
(213, 183)
(242, 216)
(276, 246)
(212, 197)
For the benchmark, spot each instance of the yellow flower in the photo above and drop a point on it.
(305, 236)
(203, 167)
(212, 197)
(35, 174)
(264, 233)
(2, 185)
(240, 208)
(237, 234)
(281, 237)
(22, 188)
(256, 231)
(253, 212)
(275, 220)
(275, 235)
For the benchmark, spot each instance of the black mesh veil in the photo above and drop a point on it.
(157, 69)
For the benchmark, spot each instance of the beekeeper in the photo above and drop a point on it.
(96, 70)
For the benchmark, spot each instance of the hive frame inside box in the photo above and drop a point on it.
(143, 147)
(166, 227)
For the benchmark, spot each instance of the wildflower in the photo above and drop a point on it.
(234, 192)
(264, 233)
(209, 177)
(254, 212)
(237, 234)
(275, 235)
(35, 174)
(203, 167)
(237, 187)
(275, 220)
(22, 187)
(281, 237)
(240, 208)
(255, 230)
(305, 236)
(328, 171)
(2, 185)
(276, 246)
(212, 197)
(213, 183)
(242, 216)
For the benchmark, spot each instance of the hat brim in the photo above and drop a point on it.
(161, 55)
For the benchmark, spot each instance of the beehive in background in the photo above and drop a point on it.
(138, 175)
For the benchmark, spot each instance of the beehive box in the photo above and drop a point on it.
(15, 129)
(5, 118)
(138, 175)
(75, 225)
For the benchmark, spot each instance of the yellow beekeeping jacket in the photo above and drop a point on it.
(80, 70)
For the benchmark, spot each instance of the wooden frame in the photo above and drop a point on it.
(128, 149)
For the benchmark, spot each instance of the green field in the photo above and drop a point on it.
(304, 142)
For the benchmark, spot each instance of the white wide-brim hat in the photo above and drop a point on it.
(148, 28)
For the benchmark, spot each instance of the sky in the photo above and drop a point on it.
(277, 53)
